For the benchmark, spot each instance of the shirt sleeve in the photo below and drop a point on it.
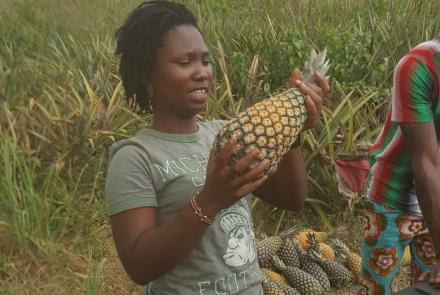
(129, 182)
(413, 91)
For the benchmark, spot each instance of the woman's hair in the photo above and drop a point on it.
(137, 41)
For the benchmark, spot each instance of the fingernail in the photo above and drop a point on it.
(298, 82)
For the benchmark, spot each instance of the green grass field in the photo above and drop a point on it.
(61, 107)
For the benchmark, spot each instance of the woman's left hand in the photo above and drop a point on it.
(314, 95)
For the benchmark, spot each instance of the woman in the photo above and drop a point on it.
(158, 180)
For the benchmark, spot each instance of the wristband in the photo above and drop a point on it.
(198, 211)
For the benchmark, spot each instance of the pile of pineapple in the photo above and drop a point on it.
(308, 262)
(303, 262)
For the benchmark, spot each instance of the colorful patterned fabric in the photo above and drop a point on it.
(415, 99)
(387, 232)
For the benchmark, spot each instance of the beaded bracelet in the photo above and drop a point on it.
(198, 212)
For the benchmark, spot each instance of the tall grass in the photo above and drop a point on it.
(61, 107)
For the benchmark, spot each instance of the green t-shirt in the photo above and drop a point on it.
(165, 170)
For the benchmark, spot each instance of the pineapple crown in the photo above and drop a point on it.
(278, 263)
(341, 248)
(316, 62)
(288, 232)
(312, 240)
(316, 255)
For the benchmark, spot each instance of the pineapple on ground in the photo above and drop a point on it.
(310, 266)
(267, 247)
(297, 278)
(270, 287)
(287, 289)
(326, 251)
(271, 125)
(288, 253)
(301, 237)
(351, 259)
(338, 275)
(270, 274)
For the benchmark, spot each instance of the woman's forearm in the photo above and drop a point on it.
(158, 250)
(427, 176)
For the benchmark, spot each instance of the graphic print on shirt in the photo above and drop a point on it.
(191, 164)
(235, 222)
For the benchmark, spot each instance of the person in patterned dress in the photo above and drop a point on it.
(403, 194)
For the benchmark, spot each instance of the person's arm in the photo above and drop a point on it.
(415, 88)
(148, 251)
(421, 140)
(286, 188)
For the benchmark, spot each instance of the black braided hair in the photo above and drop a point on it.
(137, 41)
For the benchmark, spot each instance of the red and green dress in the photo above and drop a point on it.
(415, 99)
(393, 219)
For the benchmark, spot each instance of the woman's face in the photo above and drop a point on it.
(182, 73)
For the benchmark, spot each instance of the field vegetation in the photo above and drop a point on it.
(61, 107)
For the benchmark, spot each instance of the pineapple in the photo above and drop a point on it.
(338, 275)
(406, 258)
(313, 268)
(297, 278)
(302, 237)
(267, 247)
(288, 253)
(271, 125)
(288, 290)
(351, 259)
(274, 276)
(326, 251)
(270, 287)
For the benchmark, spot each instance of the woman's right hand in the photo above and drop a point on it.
(225, 184)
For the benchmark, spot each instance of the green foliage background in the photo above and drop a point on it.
(61, 107)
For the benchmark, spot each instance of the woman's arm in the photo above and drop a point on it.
(423, 146)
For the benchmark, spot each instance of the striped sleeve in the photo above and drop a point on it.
(413, 91)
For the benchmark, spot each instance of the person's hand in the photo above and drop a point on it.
(225, 184)
(432, 274)
(314, 95)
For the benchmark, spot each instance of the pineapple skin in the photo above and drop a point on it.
(338, 275)
(354, 263)
(327, 251)
(313, 268)
(265, 249)
(271, 126)
(274, 275)
(302, 281)
(287, 289)
(271, 287)
(288, 253)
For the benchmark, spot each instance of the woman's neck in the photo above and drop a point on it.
(174, 125)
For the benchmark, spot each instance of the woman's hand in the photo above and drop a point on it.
(314, 95)
(225, 184)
